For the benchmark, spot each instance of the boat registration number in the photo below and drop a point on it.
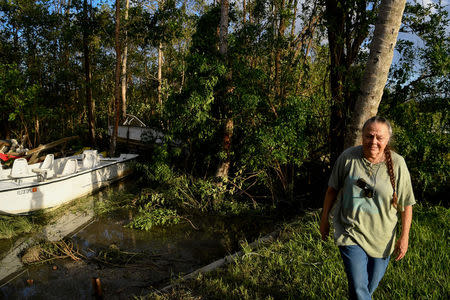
(27, 191)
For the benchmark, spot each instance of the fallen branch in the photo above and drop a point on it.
(193, 226)
(34, 153)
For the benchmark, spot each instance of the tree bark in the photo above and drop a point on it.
(377, 69)
(223, 29)
(117, 93)
(160, 63)
(294, 19)
(334, 14)
(280, 37)
(224, 165)
(90, 104)
(124, 64)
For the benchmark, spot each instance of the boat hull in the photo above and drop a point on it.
(28, 197)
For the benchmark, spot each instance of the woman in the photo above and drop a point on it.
(370, 184)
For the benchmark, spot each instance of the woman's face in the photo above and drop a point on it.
(375, 138)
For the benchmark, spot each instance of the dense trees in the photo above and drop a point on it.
(258, 91)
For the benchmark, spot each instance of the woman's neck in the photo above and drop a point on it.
(377, 159)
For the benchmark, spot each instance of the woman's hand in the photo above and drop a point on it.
(401, 247)
(330, 197)
(324, 228)
(402, 244)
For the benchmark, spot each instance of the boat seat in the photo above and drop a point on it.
(46, 169)
(70, 167)
(90, 159)
(20, 169)
(92, 152)
(48, 161)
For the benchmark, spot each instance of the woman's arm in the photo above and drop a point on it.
(330, 197)
(402, 243)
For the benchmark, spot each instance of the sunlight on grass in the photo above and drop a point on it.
(300, 266)
(11, 226)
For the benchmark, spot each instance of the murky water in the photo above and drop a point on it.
(145, 259)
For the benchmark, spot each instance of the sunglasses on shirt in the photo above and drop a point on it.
(367, 190)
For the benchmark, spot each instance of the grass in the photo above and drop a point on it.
(300, 266)
(11, 226)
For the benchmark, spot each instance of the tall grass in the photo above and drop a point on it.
(10, 226)
(301, 266)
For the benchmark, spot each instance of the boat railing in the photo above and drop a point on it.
(133, 119)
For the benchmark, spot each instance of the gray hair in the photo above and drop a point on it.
(378, 119)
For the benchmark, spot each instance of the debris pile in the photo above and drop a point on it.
(12, 147)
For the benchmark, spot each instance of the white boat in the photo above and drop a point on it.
(134, 130)
(26, 188)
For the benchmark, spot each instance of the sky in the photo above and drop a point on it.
(413, 38)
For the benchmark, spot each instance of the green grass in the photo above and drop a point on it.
(11, 226)
(300, 266)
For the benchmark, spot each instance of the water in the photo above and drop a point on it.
(144, 260)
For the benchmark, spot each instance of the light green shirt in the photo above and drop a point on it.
(369, 222)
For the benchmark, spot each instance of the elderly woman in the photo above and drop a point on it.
(369, 184)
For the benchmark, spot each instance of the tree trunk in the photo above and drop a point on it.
(160, 63)
(377, 69)
(294, 19)
(90, 104)
(37, 135)
(124, 64)
(224, 165)
(117, 93)
(279, 47)
(334, 14)
(223, 29)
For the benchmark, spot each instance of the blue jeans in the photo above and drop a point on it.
(363, 272)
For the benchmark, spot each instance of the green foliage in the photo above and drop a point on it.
(13, 226)
(418, 101)
(271, 133)
(16, 95)
(190, 194)
(425, 145)
(149, 217)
